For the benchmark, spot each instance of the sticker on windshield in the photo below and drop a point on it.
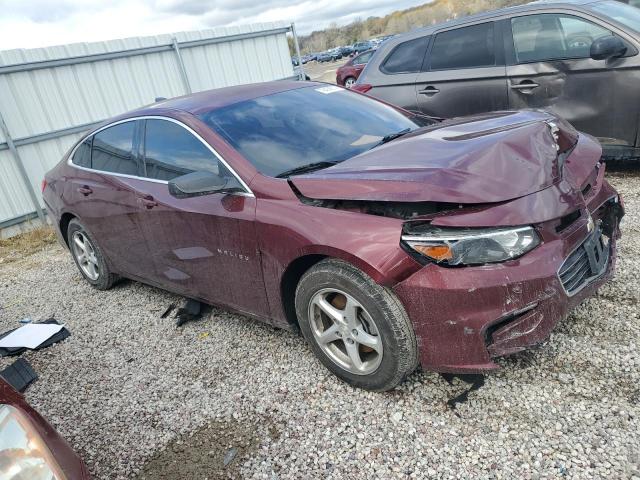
(329, 89)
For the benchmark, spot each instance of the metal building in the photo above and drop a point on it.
(49, 96)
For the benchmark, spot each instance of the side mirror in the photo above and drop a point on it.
(604, 48)
(197, 183)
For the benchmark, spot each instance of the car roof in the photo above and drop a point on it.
(532, 6)
(197, 103)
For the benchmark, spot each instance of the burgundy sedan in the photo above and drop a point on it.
(29, 447)
(388, 238)
(348, 73)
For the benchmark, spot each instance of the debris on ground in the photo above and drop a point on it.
(192, 311)
(169, 309)
(20, 374)
(56, 337)
(229, 456)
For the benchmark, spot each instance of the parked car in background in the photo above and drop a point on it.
(30, 448)
(336, 53)
(360, 47)
(388, 238)
(579, 60)
(324, 57)
(346, 51)
(348, 73)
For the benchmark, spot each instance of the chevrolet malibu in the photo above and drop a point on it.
(388, 238)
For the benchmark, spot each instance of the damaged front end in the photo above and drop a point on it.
(511, 231)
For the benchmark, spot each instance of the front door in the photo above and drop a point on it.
(203, 247)
(464, 73)
(550, 67)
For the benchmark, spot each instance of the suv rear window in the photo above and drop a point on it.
(406, 57)
(466, 47)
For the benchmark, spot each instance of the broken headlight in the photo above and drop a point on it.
(23, 454)
(469, 246)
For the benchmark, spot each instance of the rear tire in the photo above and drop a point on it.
(371, 344)
(88, 257)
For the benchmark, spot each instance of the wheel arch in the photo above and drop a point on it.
(306, 260)
(65, 219)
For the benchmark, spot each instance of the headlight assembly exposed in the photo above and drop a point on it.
(23, 454)
(469, 246)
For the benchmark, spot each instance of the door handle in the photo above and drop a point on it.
(525, 85)
(429, 91)
(85, 190)
(148, 201)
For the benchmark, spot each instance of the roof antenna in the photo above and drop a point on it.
(159, 99)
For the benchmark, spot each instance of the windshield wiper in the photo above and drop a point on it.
(310, 167)
(392, 136)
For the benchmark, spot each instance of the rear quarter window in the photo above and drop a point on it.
(82, 155)
(112, 150)
(406, 57)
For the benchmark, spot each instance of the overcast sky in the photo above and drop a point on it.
(37, 23)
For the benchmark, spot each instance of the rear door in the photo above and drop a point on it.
(104, 195)
(464, 72)
(203, 247)
(549, 66)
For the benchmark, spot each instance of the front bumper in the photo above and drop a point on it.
(465, 317)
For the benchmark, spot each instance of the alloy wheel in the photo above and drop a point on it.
(85, 254)
(349, 82)
(345, 331)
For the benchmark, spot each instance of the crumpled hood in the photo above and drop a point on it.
(483, 159)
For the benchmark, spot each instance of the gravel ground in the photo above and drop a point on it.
(138, 398)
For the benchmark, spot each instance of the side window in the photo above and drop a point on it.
(82, 156)
(407, 57)
(171, 151)
(465, 47)
(551, 36)
(112, 150)
(362, 59)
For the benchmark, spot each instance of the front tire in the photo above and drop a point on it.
(358, 329)
(88, 257)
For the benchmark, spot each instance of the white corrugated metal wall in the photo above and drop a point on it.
(48, 96)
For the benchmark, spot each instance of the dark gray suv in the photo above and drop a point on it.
(580, 60)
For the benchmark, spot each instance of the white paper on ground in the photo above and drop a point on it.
(30, 336)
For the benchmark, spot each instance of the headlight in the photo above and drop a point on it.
(469, 246)
(23, 454)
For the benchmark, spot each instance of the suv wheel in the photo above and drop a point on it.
(358, 329)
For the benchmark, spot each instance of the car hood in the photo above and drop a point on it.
(482, 159)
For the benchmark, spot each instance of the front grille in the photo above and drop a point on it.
(586, 263)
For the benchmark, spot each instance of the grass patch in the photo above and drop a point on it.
(16, 248)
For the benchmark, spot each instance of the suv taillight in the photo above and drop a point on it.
(43, 185)
(362, 87)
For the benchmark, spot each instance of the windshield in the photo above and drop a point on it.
(620, 12)
(313, 125)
